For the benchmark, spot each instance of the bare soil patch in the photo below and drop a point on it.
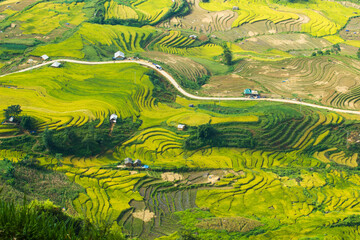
(201, 20)
(228, 85)
(171, 177)
(144, 215)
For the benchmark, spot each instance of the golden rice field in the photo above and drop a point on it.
(324, 18)
(150, 10)
(48, 101)
(44, 17)
(123, 38)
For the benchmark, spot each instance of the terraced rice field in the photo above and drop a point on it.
(150, 11)
(201, 20)
(183, 66)
(92, 91)
(104, 39)
(284, 42)
(317, 18)
(330, 80)
(45, 17)
(284, 199)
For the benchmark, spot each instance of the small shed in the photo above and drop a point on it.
(128, 162)
(119, 55)
(193, 36)
(11, 119)
(56, 64)
(247, 91)
(191, 105)
(235, 8)
(113, 118)
(45, 57)
(137, 163)
(254, 92)
(181, 127)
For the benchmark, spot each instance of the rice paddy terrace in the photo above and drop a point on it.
(239, 169)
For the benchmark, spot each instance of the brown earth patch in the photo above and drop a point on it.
(144, 215)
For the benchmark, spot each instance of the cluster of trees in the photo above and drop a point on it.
(214, 136)
(163, 91)
(202, 136)
(26, 122)
(227, 54)
(335, 49)
(87, 140)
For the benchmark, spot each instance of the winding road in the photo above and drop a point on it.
(181, 90)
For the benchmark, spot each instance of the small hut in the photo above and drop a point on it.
(235, 8)
(45, 57)
(56, 65)
(191, 105)
(137, 163)
(247, 91)
(193, 36)
(119, 55)
(128, 162)
(113, 118)
(181, 127)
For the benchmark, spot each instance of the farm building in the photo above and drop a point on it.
(56, 64)
(113, 118)
(251, 93)
(45, 57)
(191, 105)
(11, 119)
(247, 91)
(119, 55)
(193, 36)
(235, 8)
(181, 127)
(128, 162)
(137, 163)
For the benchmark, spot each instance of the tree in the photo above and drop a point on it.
(27, 123)
(336, 48)
(227, 55)
(358, 53)
(13, 110)
(47, 139)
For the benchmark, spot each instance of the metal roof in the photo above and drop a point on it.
(45, 57)
(119, 54)
(56, 64)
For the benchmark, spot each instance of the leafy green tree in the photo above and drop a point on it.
(13, 110)
(336, 48)
(319, 52)
(27, 123)
(227, 54)
(47, 139)
(358, 53)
